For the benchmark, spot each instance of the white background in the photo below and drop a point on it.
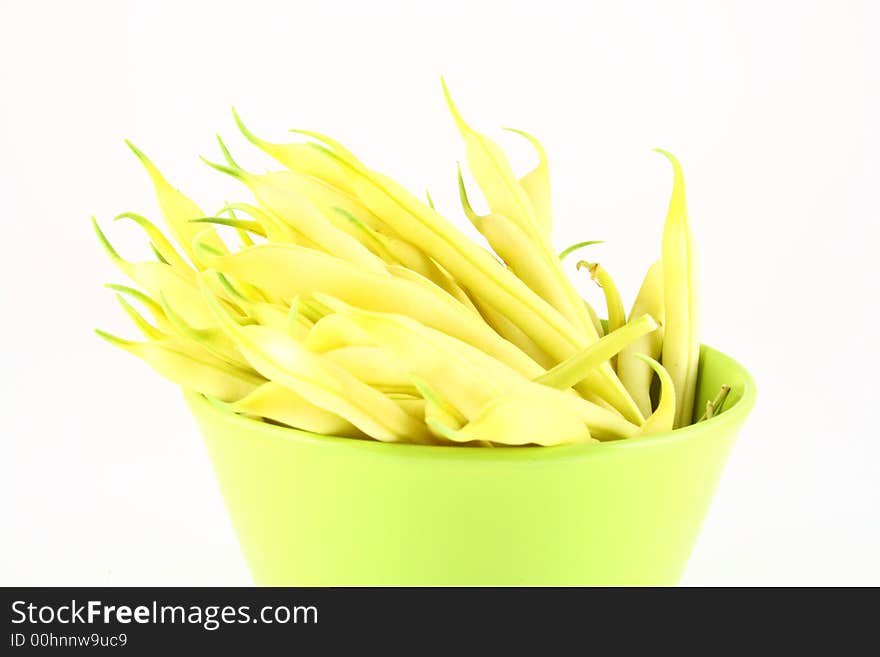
(771, 106)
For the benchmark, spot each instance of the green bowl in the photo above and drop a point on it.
(313, 510)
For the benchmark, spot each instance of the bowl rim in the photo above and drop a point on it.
(730, 417)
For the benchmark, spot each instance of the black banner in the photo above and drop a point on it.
(168, 619)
